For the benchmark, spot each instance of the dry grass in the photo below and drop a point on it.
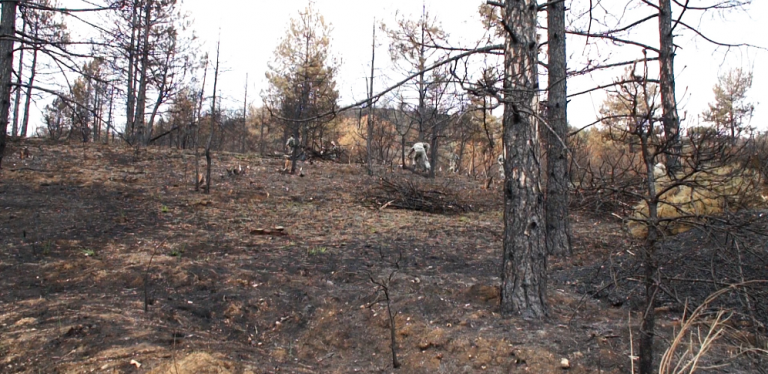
(697, 336)
(698, 195)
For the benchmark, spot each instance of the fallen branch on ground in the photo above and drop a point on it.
(405, 194)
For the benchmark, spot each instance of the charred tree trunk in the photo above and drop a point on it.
(524, 271)
(213, 124)
(130, 126)
(197, 128)
(17, 101)
(369, 139)
(7, 35)
(667, 85)
(141, 101)
(647, 327)
(161, 91)
(558, 224)
(109, 116)
(402, 151)
(261, 135)
(245, 117)
(28, 99)
(433, 147)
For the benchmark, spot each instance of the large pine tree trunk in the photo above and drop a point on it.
(524, 271)
(667, 85)
(558, 224)
(7, 34)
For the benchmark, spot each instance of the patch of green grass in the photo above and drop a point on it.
(164, 209)
(176, 252)
(316, 251)
(88, 252)
(47, 245)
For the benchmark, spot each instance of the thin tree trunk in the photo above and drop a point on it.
(130, 126)
(97, 114)
(245, 116)
(370, 104)
(161, 92)
(109, 116)
(303, 101)
(524, 271)
(197, 128)
(422, 81)
(472, 167)
(7, 35)
(261, 135)
(558, 224)
(433, 148)
(141, 101)
(28, 99)
(402, 147)
(647, 326)
(17, 102)
(213, 124)
(667, 86)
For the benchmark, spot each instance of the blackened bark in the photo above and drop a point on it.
(667, 85)
(28, 100)
(17, 101)
(7, 35)
(130, 126)
(647, 326)
(261, 135)
(213, 123)
(524, 271)
(141, 101)
(369, 148)
(197, 127)
(558, 224)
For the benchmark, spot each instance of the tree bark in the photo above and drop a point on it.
(369, 139)
(524, 271)
(162, 91)
(558, 224)
(261, 134)
(667, 86)
(130, 126)
(143, 136)
(647, 327)
(28, 96)
(197, 127)
(213, 123)
(245, 116)
(109, 116)
(17, 101)
(7, 35)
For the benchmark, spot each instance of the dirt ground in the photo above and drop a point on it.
(274, 273)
